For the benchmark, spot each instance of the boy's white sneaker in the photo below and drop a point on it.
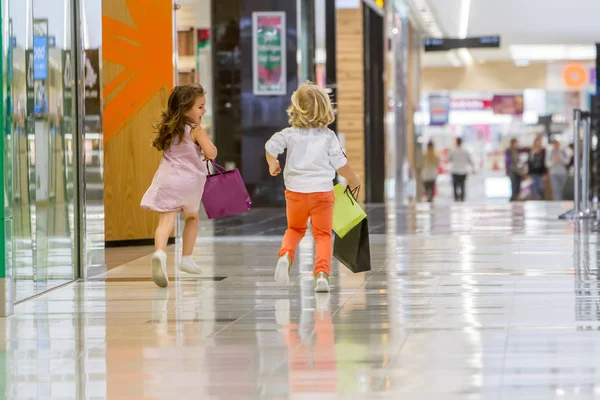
(282, 272)
(188, 265)
(322, 283)
(159, 268)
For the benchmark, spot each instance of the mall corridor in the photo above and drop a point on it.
(463, 302)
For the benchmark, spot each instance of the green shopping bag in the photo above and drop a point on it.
(347, 213)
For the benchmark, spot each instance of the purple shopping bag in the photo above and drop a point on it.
(225, 193)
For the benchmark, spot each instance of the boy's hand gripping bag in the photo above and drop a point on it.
(347, 213)
(354, 250)
(225, 193)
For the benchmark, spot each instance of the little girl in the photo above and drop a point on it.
(179, 182)
(314, 155)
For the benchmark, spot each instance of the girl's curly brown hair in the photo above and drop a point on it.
(174, 120)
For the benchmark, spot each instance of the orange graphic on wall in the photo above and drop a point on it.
(144, 51)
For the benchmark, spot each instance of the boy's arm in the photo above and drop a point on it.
(273, 148)
(350, 176)
(339, 162)
(274, 168)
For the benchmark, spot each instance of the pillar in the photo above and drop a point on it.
(397, 33)
(350, 87)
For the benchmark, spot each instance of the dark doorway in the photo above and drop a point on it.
(374, 104)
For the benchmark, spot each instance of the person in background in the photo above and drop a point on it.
(430, 171)
(460, 160)
(557, 166)
(537, 169)
(513, 169)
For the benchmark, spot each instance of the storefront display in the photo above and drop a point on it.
(43, 144)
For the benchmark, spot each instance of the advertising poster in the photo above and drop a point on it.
(508, 104)
(92, 82)
(67, 75)
(40, 66)
(439, 109)
(269, 52)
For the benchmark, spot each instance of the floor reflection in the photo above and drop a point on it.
(468, 301)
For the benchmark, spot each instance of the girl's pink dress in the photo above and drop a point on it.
(178, 184)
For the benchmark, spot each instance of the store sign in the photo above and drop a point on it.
(470, 105)
(439, 109)
(269, 53)
(575, 76)
(40, 57)
(445, 44)
(508, 104)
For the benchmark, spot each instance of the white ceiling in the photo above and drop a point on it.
(518, 22)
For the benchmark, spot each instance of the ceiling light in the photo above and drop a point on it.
(552, 52)
(465, 12)
(465, 56)
(425, 17)
(453, 58)
(522, 63)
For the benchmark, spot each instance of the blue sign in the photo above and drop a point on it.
(40, 58)
(52, 41)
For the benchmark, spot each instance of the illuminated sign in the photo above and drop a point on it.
(445, 44)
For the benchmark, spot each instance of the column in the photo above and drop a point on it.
(397, 32)
(350, 84)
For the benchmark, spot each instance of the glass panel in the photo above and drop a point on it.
(93, 142)
(22, 138)
(54, 114)
(43, 123)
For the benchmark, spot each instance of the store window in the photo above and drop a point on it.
(41, 144)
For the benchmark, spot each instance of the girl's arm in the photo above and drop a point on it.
(201, 138)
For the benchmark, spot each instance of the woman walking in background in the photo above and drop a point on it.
(537, 170)
(557, 166)
(430, 171)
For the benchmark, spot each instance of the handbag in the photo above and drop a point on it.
(225, 193)
(354, 250)
(347, 213)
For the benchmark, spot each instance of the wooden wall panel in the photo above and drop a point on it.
(137, 57)
(350, 79)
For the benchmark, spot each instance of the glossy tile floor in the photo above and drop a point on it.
(464, 302)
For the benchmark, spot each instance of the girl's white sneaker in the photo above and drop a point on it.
(188, 265)
(159, 268)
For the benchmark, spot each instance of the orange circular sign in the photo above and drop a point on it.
(575, 76)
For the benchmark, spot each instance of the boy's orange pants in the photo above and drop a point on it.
(319, 207)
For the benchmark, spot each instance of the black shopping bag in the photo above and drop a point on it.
(353, 250)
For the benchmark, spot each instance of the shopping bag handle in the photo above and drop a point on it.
(352, 194)
(219, 168)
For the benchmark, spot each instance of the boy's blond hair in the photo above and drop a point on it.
(311, 107)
